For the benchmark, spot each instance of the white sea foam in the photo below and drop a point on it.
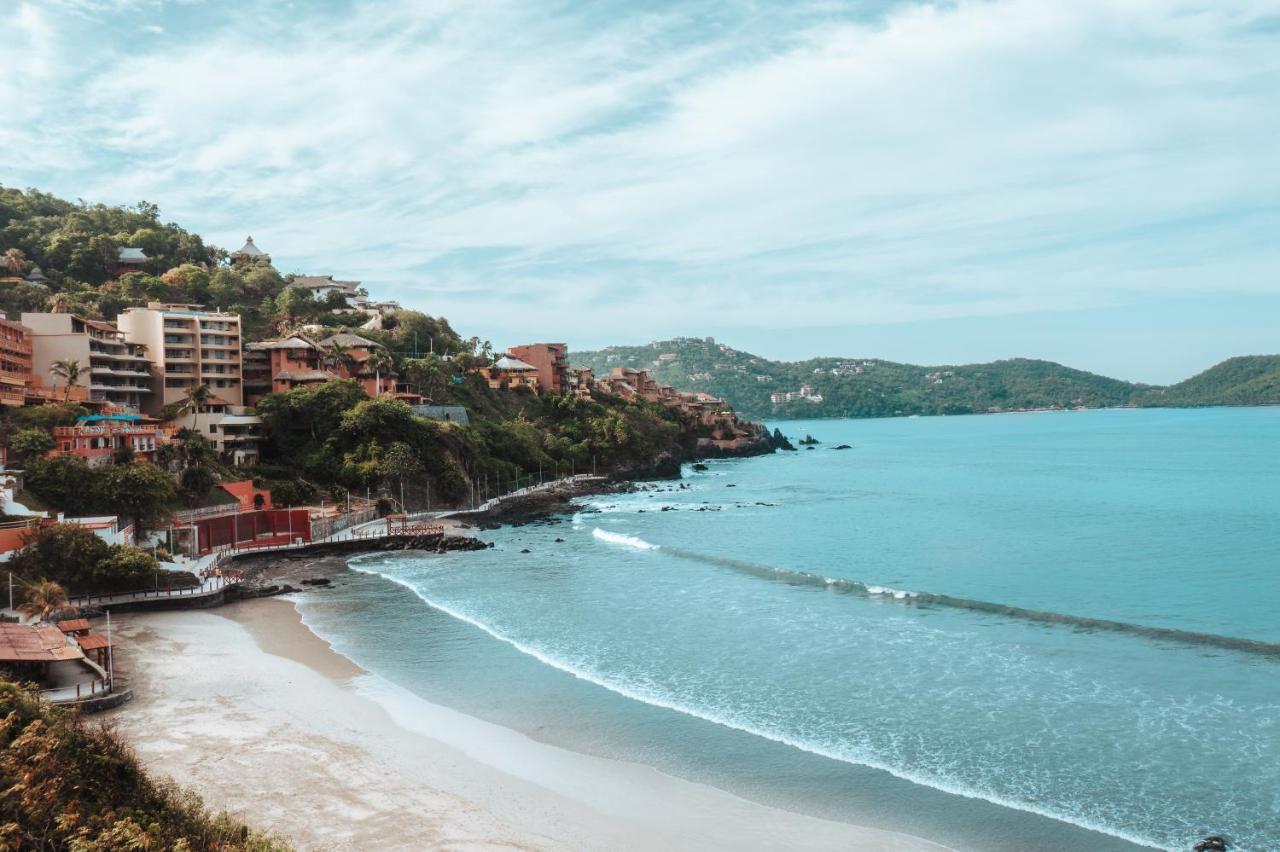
(620, 538)
(731, 720)
(896, 594)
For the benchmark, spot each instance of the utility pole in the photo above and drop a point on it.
(10, 590)
(111, 655)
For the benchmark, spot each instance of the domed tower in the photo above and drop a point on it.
(249, 253)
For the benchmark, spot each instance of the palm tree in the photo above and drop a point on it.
(198, 397)
(339, 358)
(14, 259)
(67, 369)
(380, 360)
(44, 598)
(59, 303)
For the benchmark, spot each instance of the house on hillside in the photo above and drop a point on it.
(508, 373)
(249, 253)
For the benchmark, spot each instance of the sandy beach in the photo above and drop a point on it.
(248, 707)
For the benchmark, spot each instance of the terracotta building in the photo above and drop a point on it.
(15, 362)
(551, 361)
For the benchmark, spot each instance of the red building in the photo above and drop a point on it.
(97, 438)
(552, 362)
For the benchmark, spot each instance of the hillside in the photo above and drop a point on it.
(324, 441)
(868, 387)
(1246, 380)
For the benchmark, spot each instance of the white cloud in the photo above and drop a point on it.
(787, 165)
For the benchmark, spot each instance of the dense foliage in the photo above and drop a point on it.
(81, 562)
(1247, 380)
(137, 490)
(864, 387)
(332, 439)
(65, 784)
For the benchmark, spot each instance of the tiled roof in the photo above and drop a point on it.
(346, 338)
(294, 342)
(249, 249)
(304, 376)
(322, 282)
(131, 255)
(509, 364)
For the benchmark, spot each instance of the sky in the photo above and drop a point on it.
(1096, 182)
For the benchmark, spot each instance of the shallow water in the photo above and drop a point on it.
(1001, 632)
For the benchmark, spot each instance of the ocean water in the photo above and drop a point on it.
(1040, 631)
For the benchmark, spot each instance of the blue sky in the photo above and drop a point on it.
(1096, 182)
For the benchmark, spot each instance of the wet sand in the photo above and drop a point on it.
(262, 718)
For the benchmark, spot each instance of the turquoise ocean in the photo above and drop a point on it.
(1031, 631)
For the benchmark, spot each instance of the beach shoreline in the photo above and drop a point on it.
(263, 718)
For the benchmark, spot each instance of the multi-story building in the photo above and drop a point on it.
(113, 371)
(15, 362)
(274, 366)
(97, 440)
(234, 430)
(552, 361)
(188, 346)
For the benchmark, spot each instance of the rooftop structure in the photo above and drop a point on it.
(249, 253)
(322, 285)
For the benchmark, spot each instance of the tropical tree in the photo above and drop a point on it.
(43, 599)
(67, 369)
(198, 396)
(14, 259)
(339, 358)
(59, 303)
(380, 361)
(31, 444)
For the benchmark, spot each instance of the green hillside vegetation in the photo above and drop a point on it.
(1247, 380)
(65, 784)
(868, 387)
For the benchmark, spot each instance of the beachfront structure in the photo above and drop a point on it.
(15, 362)
(249, 253)
(113, 370)
(188, 346)
(551, 361)
(234, 430)
(96, 439)
(508, 373)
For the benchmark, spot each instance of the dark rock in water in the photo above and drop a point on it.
(666, 508)
(699, 466)
(731, 485)
(809, 440)
(780, 441)
(842, 447)
(490, 544)
(1212, 843)
(526, 550)
(808, 448)
(559, 541)
(316, 581)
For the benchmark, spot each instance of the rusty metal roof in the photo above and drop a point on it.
(42, 643)
(93, 643)
(73, 625)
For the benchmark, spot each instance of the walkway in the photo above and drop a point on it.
(208, 587)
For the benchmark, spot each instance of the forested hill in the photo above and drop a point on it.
(1246, 380)
(869, 387)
